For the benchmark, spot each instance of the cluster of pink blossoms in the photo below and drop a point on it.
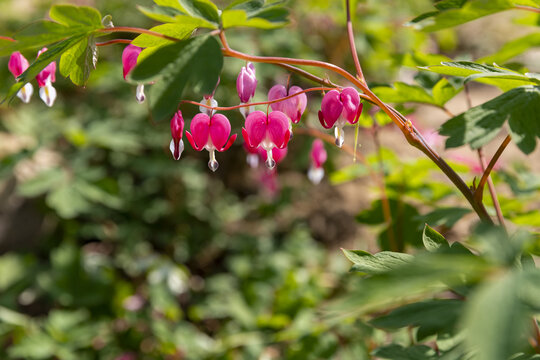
(266, 135)
(18, 65)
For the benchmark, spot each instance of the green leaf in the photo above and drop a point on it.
(44, 59)
(175, 4)
(432, 239)
(480, 124)
(433, 316)
(427, 273)
(512, 49)
(456, 12)
(443, 92)
(496, 320)
(236, 18)
(402, 92)
(505, 79)
(378, 263)
(195, 63)
(77, 62)
(160, 13)
(204, 9)
(74, 16)
(398, 352)
(179, 30)
(72, 21)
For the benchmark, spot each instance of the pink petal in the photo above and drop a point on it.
(200, 128)
(49, 72)
(331, 107)
(351, 101)
(229, 143)
(298, 103)
(318, 153)
(255, 127)
(277, 92)
(278, 128)
(246, 83)
(17, 64)
(220, 129)
(129, 58)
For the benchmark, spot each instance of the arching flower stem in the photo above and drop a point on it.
(412, 135)
(227, 108)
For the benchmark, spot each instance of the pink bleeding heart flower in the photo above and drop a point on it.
(129, 61)
(210, 133)
(17, 65)
(318, 158)
(45, 78)
(267, 131)
(177, 129)
(246, 83)
(277, 154)
(293, 107)
(338, 108)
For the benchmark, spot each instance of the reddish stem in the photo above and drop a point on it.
(491, 188)
(6, 38)
(352, 44)
(115, 41)
(226, 108)
(528, 8)
(478, 193)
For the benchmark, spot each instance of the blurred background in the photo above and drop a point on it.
(110, 249)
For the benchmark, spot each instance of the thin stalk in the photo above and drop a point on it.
(7, 38)
(492, 190)
(227, 108)
(352, 44)
(528, 8)
(114, 41)
(387, 212)
(478, 193)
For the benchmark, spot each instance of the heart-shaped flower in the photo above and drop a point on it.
(210, 133)
(267, 131)
(338, 108)
(293, 107)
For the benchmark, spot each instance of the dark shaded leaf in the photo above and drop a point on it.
(195, 63)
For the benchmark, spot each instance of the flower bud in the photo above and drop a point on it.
(177, 129)
(246, 83)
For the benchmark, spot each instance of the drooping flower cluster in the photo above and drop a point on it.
(17, 66)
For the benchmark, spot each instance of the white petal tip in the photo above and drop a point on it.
(47, 93)
(139, 94)
(25, 94)
(315, 175)
(180, 149)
